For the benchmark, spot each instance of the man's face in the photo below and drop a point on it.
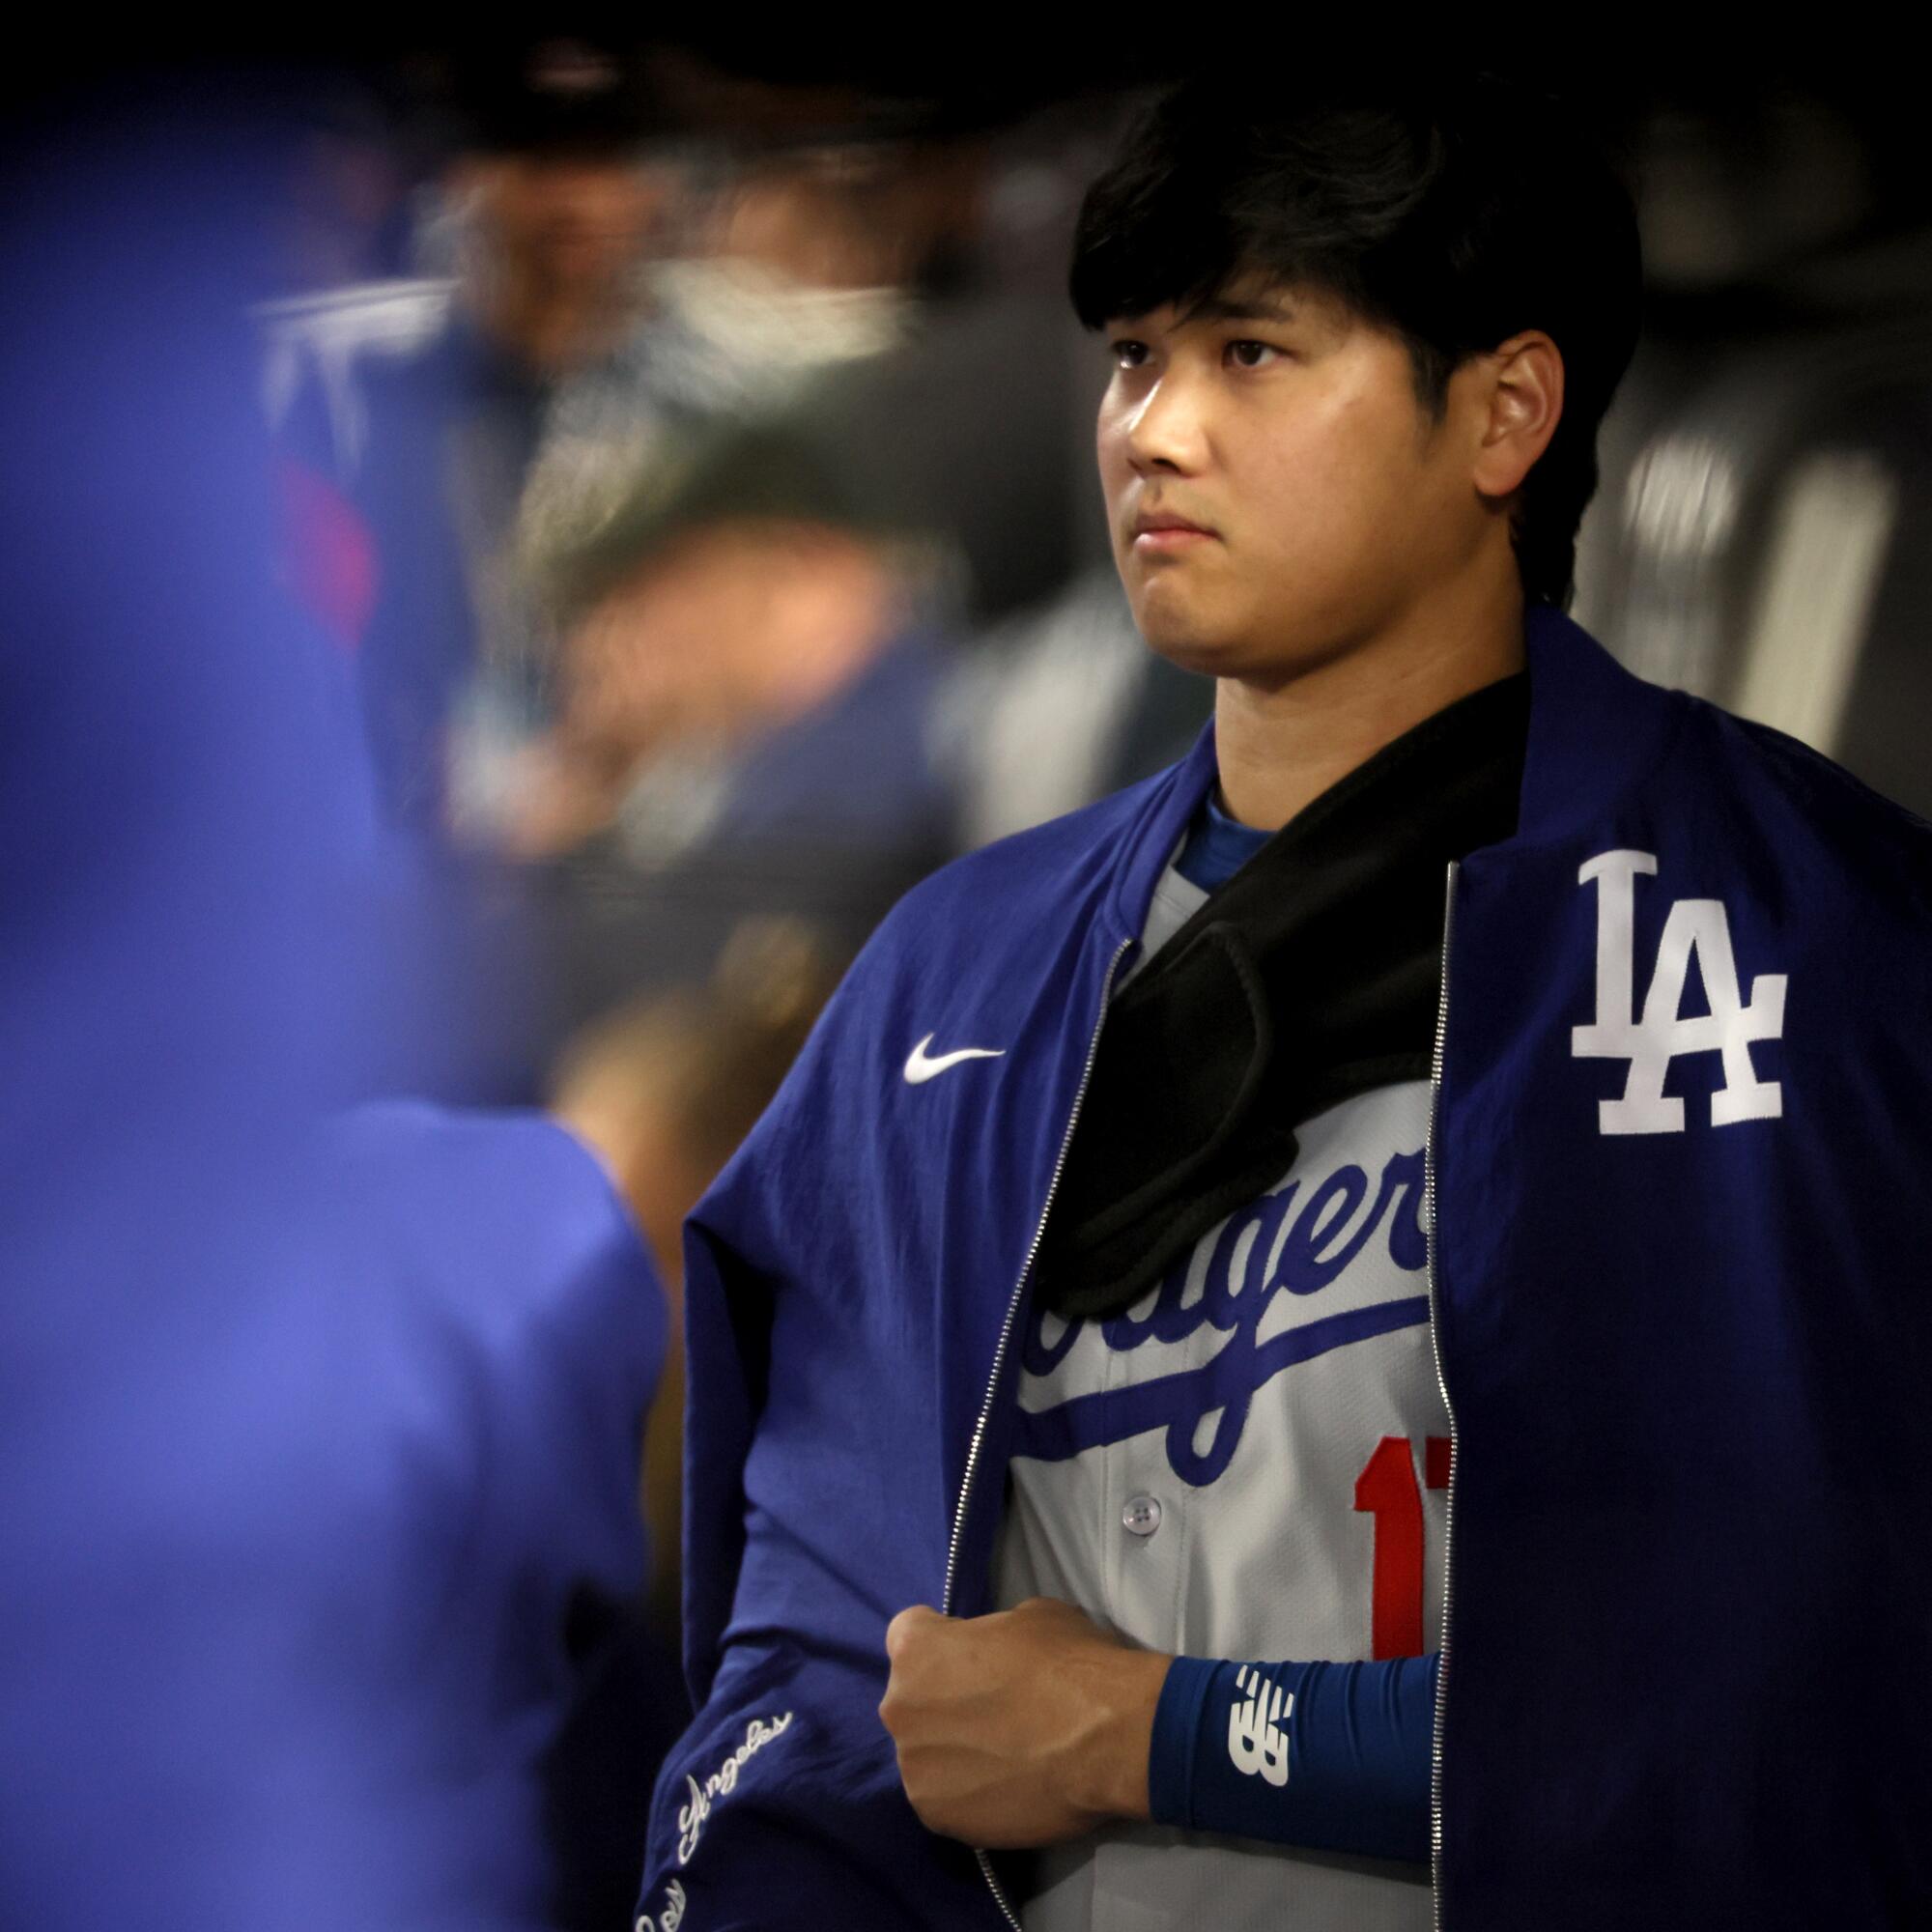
(683, 648)
(1326, 499)
(569, 220)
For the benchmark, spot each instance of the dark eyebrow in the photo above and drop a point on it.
(1255, 309)
(1265, 309)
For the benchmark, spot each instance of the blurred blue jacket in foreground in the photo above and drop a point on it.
(290, 1553)
(313, 1417)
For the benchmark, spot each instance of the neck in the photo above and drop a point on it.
(1282, 743)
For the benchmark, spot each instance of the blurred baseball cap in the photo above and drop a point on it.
(783, 467)
(558, 94)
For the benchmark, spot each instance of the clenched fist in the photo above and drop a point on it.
(1021, 1728)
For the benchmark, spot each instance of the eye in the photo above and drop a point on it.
(1127, 354)
(1248, 355)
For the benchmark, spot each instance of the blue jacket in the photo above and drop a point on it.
(1688, 1675)
(307, 1465)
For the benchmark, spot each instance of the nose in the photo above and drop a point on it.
(1163, 432)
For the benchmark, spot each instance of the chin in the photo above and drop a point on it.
(1205, 656)
(1185, 636)
(1233, 637)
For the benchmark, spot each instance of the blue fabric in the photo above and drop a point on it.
(1687, 1369)
(801, 780)
(290, 1552)
(310, 1431)
(1217, 848)
(1352, 1771)
(420, 642)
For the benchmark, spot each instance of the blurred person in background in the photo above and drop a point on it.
(426, 412)
(753, 660)
(352, 215)
(798, 259)
(426, 427)
(612, 282)
(834, 261)
(321, 1404)
(972, 419)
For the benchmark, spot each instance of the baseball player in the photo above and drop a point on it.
(1332, 1341)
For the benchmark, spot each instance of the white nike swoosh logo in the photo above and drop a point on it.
(919, 1068)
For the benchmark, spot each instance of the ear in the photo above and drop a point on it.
(1523, 395)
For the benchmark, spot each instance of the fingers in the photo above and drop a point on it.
(907, 1625)
(902, 1634)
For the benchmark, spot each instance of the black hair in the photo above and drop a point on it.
(1454, 211)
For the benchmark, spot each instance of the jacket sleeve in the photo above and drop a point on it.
(727, 1334)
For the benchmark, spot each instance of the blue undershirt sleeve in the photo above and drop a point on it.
(1331, 1756)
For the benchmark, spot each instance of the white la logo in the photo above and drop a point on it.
(1258, 1727)
(1651, 1043)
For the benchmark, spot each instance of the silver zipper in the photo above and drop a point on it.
(1000, 1357)
(1436, 1344)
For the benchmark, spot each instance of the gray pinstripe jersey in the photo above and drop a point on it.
(1285, 1528)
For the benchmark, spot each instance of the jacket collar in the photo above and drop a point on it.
(1155, 833)
(1595, 731)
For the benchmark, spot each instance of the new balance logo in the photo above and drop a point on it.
(1650, 1040)
(1258, 1726)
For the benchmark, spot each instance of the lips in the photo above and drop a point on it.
(1151, 523)
(1168, 536)
(1158, 532)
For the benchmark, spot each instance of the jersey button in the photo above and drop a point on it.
(1141, 1516)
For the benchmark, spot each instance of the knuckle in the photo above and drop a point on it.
(900, 1631)
(919, 1796)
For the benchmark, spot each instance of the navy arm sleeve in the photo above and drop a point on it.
(1331, 1756)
